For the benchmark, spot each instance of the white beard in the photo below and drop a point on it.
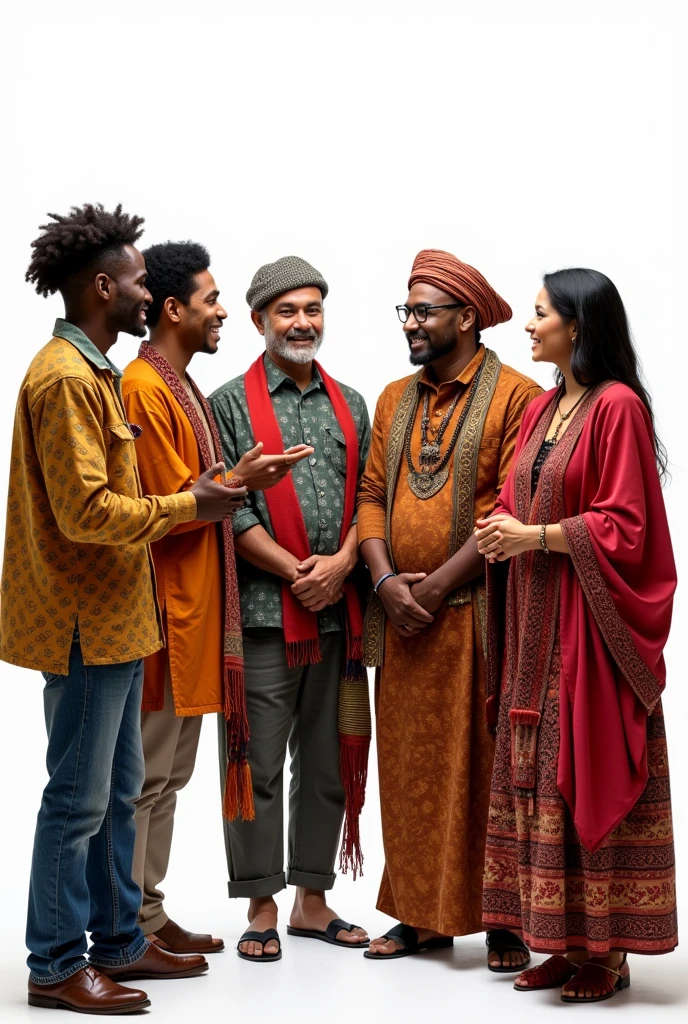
(297, 354)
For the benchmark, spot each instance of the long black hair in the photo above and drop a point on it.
(603, 349)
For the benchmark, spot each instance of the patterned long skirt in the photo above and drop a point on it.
(539, 877)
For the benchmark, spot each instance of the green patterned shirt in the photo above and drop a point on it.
(305, 418)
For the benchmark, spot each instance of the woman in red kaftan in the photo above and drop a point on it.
(580, 855)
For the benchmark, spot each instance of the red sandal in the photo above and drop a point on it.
(609, 979)
(553, 973)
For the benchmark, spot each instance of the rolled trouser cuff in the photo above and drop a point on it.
(257, 887)
(309, 880)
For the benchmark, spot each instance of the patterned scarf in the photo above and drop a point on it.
(464, 478)
(238, 790)
(301, 625)
(533, 588)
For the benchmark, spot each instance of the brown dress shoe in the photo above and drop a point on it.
(158, 963)
(176, 939)
(88, 991)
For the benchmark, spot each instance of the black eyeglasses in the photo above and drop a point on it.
(421, 312)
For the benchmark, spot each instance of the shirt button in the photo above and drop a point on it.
(313, 462)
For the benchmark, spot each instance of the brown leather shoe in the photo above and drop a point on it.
(158, 963)
(88, 991)
(176, 939)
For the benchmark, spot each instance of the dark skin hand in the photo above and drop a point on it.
(410, 599)
(402, 609)
(461, 568)
(215, 501)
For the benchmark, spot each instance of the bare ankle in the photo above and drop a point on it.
(261, 905)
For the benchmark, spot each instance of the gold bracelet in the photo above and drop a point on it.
(543, 538)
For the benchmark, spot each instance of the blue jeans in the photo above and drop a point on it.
(83, 850)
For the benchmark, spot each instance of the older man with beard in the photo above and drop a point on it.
(297, 547)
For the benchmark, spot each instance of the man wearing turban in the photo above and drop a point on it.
(442, 444)
(306, 687)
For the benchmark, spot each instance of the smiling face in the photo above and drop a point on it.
(293, 325)
(129, 296)
(439, 334)
(551, 336)
(200, 320)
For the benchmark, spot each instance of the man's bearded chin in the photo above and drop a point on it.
(286, 349)
(432, 352)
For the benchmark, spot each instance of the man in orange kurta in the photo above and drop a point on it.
(185, 680)
(441, 449)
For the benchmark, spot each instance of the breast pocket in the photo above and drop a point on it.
(334, 447)
(121, 458)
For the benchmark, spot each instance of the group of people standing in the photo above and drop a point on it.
(500, 555)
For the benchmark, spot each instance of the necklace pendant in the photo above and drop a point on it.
(426, 485)
(429, 453)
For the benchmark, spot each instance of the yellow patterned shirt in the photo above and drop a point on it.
(78, 527)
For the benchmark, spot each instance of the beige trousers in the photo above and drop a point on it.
(169, 749)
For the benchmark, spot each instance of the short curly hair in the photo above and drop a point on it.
(87, 239)
(171, 267)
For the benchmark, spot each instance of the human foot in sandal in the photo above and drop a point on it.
(311, 918)
(262, 917)
(506, 951)
(403, 940)
(598, 979)
(552, 973)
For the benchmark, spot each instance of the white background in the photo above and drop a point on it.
(523, 136)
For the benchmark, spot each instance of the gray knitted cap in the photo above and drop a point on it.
(285, 275)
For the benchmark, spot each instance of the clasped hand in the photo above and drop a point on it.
(319, 580)
(408, 600)
(501, 536)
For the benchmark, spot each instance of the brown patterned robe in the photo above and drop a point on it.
(434, 751)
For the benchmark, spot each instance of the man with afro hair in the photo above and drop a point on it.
(78, 605)
(201, 669)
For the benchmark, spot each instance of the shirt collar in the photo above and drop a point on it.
(276, 376)
(76, 337)
(465, 377)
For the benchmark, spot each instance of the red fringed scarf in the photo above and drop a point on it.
(238, 790)
(301, 625)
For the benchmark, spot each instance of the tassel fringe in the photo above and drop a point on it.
(521, 716)
(353, 759)
(238, 795)
(303, 652)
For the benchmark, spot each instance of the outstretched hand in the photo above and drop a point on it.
(258, 472)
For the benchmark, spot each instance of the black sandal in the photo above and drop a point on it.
(264, 938)
(407, 938)
(330, 934)
(501, 941)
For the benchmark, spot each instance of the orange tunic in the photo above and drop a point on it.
(188, 561)
(434, 751)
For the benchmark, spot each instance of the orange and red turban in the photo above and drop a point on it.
(444, 271)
